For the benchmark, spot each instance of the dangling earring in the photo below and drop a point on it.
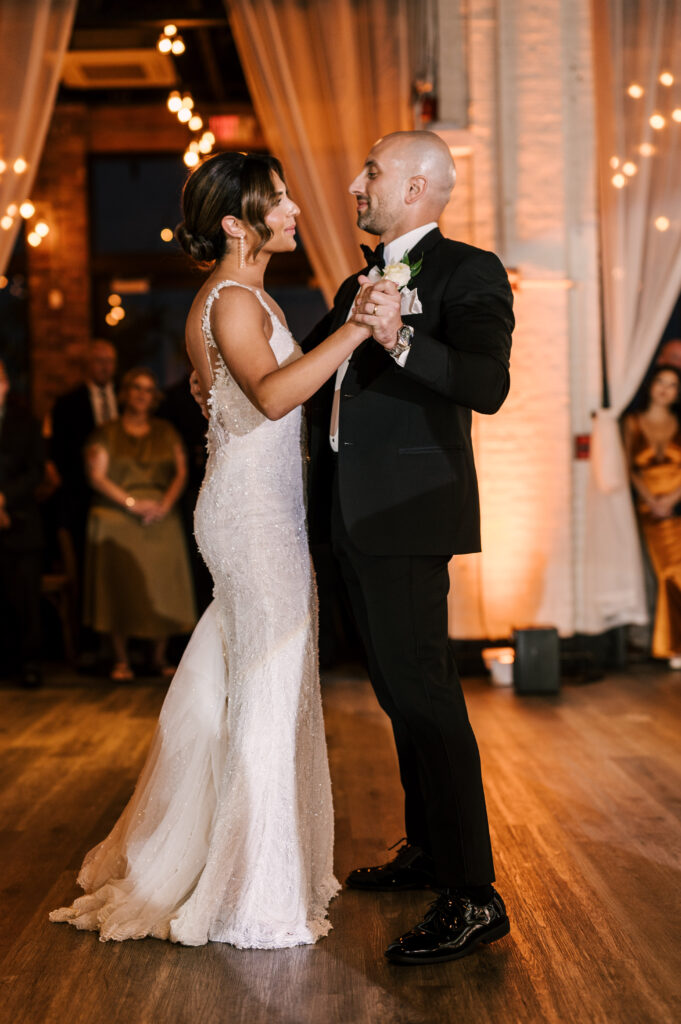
(242, 258)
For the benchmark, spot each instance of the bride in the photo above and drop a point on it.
(229, 833)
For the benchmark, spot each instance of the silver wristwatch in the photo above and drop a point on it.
(404, 335)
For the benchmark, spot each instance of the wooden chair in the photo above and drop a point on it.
(61, 590)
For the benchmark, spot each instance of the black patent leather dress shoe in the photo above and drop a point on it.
(453, 927)
(411, 868)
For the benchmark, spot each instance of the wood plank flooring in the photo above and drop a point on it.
(584, 799)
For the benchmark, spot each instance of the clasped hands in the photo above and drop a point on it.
(149, 511)
(377, 307)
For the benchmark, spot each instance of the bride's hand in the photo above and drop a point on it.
(378, 307)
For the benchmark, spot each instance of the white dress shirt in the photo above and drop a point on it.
(392, 253)
(103, 402)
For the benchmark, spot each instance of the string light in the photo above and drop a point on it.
(170, 42)
(676, 115)
(174, 101)
(19, 165)
(114, 299)
(657, 122)
(34, 239)
(12, 210)
(170, 30)
(662, 223)
(646, 149)
(167, 235)
(188, 101)
(117, 313)
(184, 115)
(3, 166)
(205, 145)
(630, 168)
(177, 46)
(4, 281)
(110, 320)
(614, 162)
(619, 181)
(6, 222)
(635, 90)
(190, 158)
(42, 228)
(666, 78)
(27, 209)
(196, 123)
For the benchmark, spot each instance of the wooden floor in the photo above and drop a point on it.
(584, 797)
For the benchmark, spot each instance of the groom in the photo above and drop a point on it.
(392, 474)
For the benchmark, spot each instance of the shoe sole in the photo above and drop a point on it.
(502, 929)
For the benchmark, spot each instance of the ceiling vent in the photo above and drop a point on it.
(118, 69)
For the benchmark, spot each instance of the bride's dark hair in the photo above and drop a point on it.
(226, 185)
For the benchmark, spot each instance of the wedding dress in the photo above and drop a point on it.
(229, 833)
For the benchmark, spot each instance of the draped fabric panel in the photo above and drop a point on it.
(34, 36)
(327, 78)
(635, 42)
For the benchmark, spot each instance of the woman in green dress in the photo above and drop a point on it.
(137, 575)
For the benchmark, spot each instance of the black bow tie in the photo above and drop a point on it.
(374, 257)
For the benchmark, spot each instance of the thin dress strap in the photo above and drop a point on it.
(208, 339)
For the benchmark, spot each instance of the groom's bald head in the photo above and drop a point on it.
(406, 181)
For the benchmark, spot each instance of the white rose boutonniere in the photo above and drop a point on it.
(402, 274)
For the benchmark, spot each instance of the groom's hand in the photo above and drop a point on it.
(378, 307)
(197, 394)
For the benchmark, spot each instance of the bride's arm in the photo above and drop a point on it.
(239, 324)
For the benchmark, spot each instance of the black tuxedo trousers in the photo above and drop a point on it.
(400, 606)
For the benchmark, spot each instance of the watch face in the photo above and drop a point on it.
(405, 334)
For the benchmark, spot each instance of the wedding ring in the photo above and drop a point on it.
(375, 308)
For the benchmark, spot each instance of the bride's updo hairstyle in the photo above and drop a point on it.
(226, 185)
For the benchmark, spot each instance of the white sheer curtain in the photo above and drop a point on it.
(34, 35)
(637, 48)
(327, 78)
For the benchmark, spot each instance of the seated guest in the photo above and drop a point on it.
(74, 417)
(22, 467)
(137, 576)
(653, 445)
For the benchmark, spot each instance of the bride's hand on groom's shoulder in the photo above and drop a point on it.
(377, 307)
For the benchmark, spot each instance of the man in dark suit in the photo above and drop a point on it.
(393, 474)
(22, 467)
(74, 417)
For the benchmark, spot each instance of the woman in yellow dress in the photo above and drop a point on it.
(137, 575)
(653, 445)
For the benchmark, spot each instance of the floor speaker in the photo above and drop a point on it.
(536, 668)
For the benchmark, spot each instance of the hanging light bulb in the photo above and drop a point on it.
(666, 78)
(114, 299)
(34, 239)
(167, 235)
(662, 223)
(635, 90)
(178, 46)
(196, 123)
(19, 165)
(164, 45)
(42, 228)
(188, 101)
(618, 180)
(676, 115)
(657, 122)
(117, 312)
(27, 209)
(170, 30)
(6, 222)
(614, 162)
(12, 210)
(205, 145)
(190, 158)
(210, 137)
(630, 168)
(174, 101)
(184, 115)
(110, 320)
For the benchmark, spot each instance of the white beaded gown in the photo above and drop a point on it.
(229, 833)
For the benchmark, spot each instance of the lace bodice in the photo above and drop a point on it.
(231, 412)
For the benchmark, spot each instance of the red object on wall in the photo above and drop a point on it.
(582, 446)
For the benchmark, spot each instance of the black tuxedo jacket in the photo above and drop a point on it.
(406, 475)
(22, 466)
